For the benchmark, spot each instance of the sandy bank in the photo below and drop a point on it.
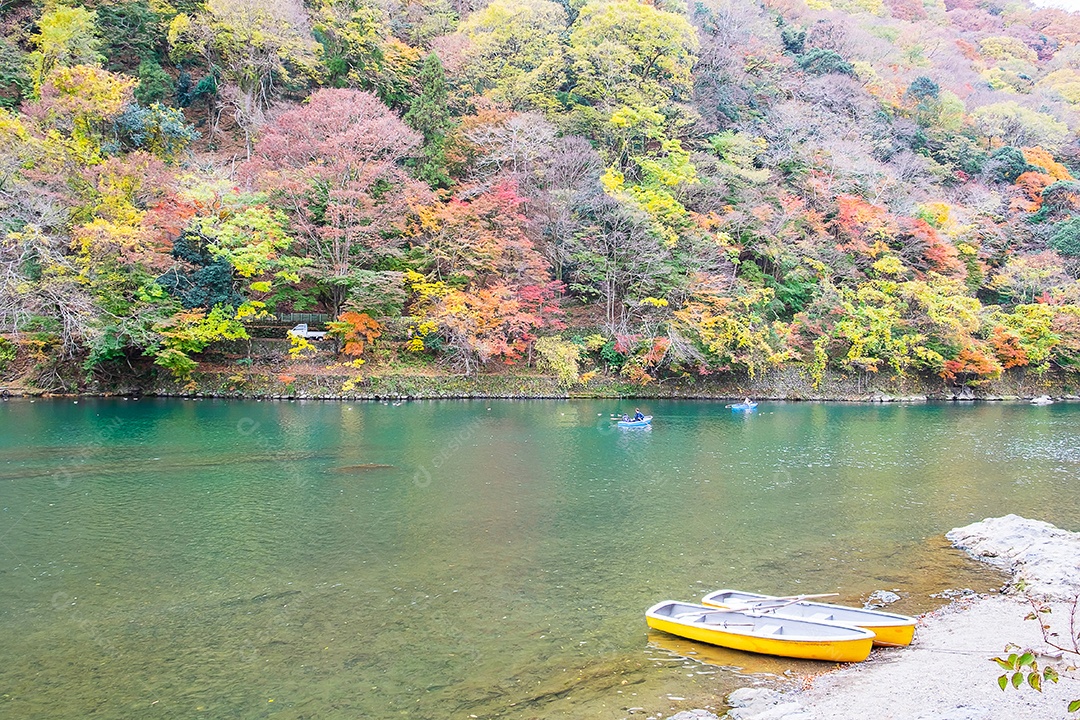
(947, 673)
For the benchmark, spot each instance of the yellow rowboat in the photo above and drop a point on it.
(890, 629)
(768, 635)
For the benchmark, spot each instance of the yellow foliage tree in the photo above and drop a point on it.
(66, 36)
(1040, 158)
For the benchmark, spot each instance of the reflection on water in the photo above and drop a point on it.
(437, 559)
(710, 660)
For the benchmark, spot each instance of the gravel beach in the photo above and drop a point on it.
(948, 673)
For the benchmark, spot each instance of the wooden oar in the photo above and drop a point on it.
(777, 602)
(800, 597)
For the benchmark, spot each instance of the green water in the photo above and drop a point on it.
(240, 559)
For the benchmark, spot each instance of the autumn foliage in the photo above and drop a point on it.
(647, 190)
(356, 332)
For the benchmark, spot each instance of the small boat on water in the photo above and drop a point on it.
(890, 629)
(636, 423)
(766, 634)
(743, 406)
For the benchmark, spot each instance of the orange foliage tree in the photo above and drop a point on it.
(862, 227)
(1031, 184)
(356, 331)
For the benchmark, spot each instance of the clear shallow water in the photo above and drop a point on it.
(237, 559)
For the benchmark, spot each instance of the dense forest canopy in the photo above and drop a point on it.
(644, 188)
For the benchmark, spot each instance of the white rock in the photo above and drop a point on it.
(696, 714)
(1038, 554)
(764, 704)
(880, 598)
(747, 697)
(783, 711)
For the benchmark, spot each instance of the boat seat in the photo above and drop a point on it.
(822, 616)
(771, 629)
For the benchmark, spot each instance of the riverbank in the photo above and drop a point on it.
(337, 383)
(948, 673)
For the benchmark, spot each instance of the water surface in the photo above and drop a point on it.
(241, 559)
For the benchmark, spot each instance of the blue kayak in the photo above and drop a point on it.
(742, 406)
(636, 423)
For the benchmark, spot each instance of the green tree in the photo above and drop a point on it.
(926, 95)
(188, 333)
(794, 39)
(199, 279)
(1008, 163)
(560, 357)
(1033, 325)
(923, 88)
(429, 115)
(822, 61)
(659, 178)
(421, 21)
(1066, 237)
(158, 129)
(253, 239)
(732, 332)
(81, 102)
(154, 83)
(625, 51)
(349, 32)
(359, 52)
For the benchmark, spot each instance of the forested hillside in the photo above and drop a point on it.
(615, 187)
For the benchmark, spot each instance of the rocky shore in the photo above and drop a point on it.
(307, 382)
(948, 673)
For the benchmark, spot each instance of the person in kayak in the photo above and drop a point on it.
(638, 415)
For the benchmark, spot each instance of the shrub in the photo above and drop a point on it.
(7, 353)
(561, 357)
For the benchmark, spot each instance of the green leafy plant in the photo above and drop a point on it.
(1021, 668)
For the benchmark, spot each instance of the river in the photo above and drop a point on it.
(434, 559)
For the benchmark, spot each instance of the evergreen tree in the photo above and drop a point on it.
(430, 116)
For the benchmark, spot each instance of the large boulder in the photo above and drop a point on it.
(1040, 556)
